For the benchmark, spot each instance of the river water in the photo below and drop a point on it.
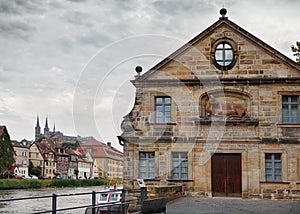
(38, 205)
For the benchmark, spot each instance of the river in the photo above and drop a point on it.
(43, 204)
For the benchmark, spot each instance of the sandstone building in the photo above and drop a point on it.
(220, 115)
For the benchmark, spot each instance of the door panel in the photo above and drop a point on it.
(226, 175)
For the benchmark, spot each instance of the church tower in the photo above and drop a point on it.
(37, 128)
(46, 129)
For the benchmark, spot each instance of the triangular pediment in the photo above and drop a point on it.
(197, 59)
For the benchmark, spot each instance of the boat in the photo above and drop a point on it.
(108, 197)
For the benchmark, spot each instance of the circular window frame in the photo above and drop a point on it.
(233, 47)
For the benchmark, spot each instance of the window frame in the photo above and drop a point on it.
(289, 105)
(182, 157)
(271, 177)
(149, 166)
(223, 52)
(163, 119)
(216, 47)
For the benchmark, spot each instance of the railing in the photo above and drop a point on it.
(93, 204)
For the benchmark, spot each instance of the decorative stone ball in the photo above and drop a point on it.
(223, 12)
(138, 69)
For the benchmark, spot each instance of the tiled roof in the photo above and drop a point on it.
(18, 144)
(101, 150)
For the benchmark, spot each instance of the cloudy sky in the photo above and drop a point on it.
(72, 60)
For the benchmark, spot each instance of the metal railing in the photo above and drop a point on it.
(93, 205)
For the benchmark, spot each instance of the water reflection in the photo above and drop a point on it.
(43, 204)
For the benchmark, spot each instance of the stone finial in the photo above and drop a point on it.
(138, 70)
(223, 12)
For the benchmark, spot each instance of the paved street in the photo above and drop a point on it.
(232, 206)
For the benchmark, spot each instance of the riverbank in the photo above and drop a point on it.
(6, 184)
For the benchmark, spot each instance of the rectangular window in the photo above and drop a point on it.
(163, 109)
(147, 165)
(273, 167)
(290, 112)
(180, 165)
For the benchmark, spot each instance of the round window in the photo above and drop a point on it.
(224, 55)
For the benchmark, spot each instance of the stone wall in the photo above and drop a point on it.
(257, 81)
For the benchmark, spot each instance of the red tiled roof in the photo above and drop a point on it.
(101, 150)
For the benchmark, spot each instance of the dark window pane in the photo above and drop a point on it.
(277, 156)
(268, 156)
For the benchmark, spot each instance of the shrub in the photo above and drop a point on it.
(20, 184)
(33, 183)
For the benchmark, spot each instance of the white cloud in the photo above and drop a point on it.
(46, 45)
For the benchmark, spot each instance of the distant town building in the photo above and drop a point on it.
(108, 159)
(57, 161)
(36, 156)
(73, 163)
(21, 158)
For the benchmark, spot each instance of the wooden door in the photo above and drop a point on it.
(226, 175)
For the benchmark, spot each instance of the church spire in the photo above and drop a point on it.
(37, 128)
(37, 122)
(54, 128)
(46, 129)
(46, 123)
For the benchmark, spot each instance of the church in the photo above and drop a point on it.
(55, 135)
(220, 116)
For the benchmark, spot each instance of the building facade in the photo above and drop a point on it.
(220, 116)
(108, 159)
(21, 158)
(36, 156)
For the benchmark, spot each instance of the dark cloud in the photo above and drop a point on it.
(46, 45)
(16, 28)
(19, 7)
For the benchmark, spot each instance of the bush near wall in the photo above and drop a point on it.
(76, 183)
(32, 183)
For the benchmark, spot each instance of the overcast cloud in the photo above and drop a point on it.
(72, 60)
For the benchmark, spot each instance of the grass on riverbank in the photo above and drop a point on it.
(33, 183)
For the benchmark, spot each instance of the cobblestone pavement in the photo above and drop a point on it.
(232, 206)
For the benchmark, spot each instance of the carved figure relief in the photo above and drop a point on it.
(224, 109)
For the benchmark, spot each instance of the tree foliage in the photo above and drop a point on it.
(6, 153)
(34, 170)
(70, 145)
(296, 50)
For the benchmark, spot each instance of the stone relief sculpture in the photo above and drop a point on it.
(229, 110)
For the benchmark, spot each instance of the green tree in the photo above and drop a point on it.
(6, 152)
(37, 171)
(34, 170)
(70, 145)
(76, 171)
(30, 167)
(296, 50)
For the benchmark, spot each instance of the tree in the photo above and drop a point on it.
(70, 145)
(296, 50)
(76, 171)
(34, 170)
(6, 152)
(30, 167)
(37, 171)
